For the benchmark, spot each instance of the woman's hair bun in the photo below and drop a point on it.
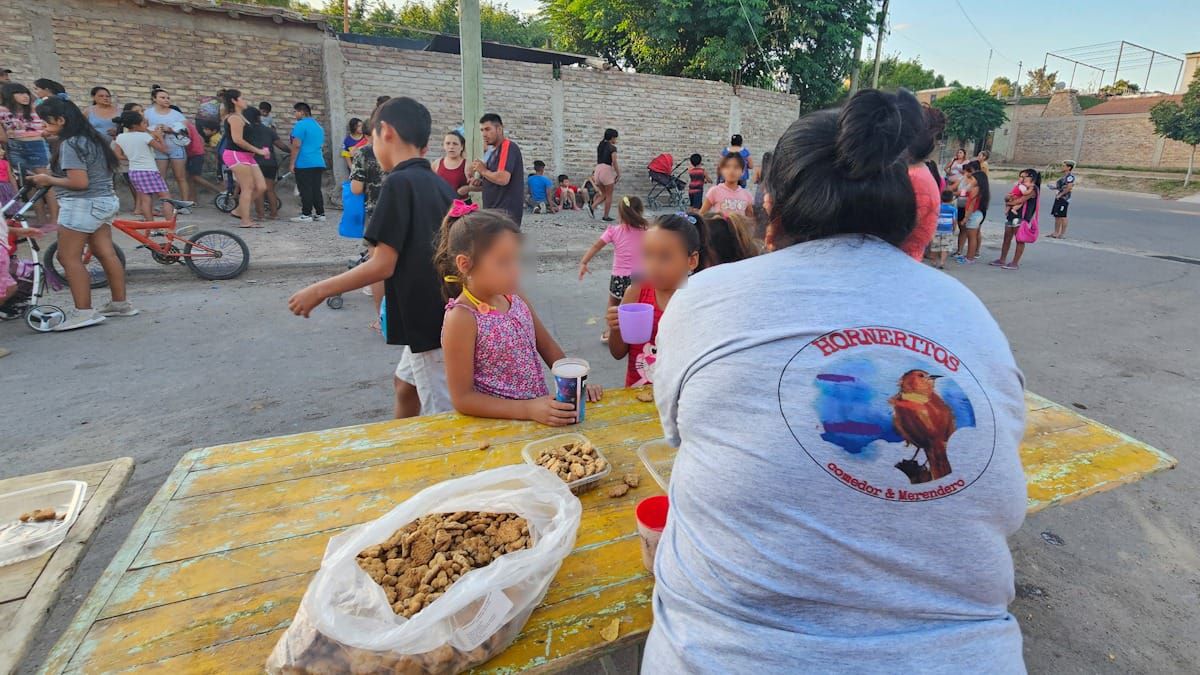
(875, 129)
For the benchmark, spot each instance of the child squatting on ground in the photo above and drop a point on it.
(494, 343)
(404, 225)
(626, 238)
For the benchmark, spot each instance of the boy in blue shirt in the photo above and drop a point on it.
(308, 163)
(539, 189)
(943, 237)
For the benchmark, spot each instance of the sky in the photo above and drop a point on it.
(940, 35)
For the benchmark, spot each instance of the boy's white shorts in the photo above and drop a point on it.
(427, 372)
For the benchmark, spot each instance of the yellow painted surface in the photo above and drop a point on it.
(215, 569)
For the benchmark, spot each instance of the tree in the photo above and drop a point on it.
(497, 22)
(802, 46)
(1180, 122)
(1040, 82)
(910, 74)
(970, 113)
(1002, 87)
(1119, 88)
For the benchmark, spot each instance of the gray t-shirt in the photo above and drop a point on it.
(848, 422)
(79, 152)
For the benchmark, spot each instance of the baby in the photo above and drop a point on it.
(1012, 214)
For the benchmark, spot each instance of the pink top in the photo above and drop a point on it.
(20, 128)
(929, 202)
(627, 248)
(729, 202)
(507, 364)
(5, 170)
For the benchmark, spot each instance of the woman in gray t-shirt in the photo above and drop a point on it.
(848, 422)
(82, 178)
(173, 124)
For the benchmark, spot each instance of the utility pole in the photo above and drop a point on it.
(855, 73)
(879, 44)
(471, 49)
(1017, 86)
(345, 16)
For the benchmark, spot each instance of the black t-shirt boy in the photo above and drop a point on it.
(508, 198)
(412, 203)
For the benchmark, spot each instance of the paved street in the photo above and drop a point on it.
(1094, 321)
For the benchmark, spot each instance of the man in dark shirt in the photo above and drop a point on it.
(403, 229)
(501, 176)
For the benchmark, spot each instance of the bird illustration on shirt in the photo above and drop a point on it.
(925, 422)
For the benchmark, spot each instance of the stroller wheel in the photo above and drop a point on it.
(335, 302)
(43, 318)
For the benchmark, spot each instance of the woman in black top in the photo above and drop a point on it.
(607, 173)
(262, 136)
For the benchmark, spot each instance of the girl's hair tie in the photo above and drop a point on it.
(451, 279)
(625, 200)
(686, 216)
(459, 208)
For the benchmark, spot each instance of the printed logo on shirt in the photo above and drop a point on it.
(898, 416)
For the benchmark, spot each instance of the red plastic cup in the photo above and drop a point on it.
(636, 321)
(651, 515)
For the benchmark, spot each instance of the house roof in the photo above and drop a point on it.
(1124, 105)
(236, 10)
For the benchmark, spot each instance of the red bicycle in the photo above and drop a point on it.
(211, 254)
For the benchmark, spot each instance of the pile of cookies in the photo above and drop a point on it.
(573, 462)
(421, 560)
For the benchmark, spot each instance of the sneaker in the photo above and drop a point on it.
(1010, 267)
(367, 292)
(960, 260)
(124, 308)
(997, 263)
(79, 318)
(607, 219)
(319, 218)
(302, 218)
(591, 210)
(185, 211)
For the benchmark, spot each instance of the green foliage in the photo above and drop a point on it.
(1180, 121)
(1002, 87)
(970, 113)
(1120, 87)
(910, 74)
(497, 22)
(806, 45)
(1041, 83)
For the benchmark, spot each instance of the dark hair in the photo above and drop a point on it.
(265, 105)
(733, 157)
(689, 228)
(844, 171)
(96, 90)
(49, 85)
(470, 235)
(491, 117)
(7, 94)
(695, 159)
(380, 100)
(727, 239)
(764, 165)
(972, 166)
(462, 140)
(128, 119)
(354, 122)
(154, 89)
(253, 116)
(75, 125)
(409, 118)
(538, 164)
(228, 97)
(610, 134)
(562, 177)
(1037, 178)
(630, 212)
(934, 171)
(735, 139)
(930, 127)
(947, 195)
(303, 107)
(986, 154)
(131, 105)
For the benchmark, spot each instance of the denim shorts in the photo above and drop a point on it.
(974, 221)
(175, 152)
(87, 214)
(28, 155)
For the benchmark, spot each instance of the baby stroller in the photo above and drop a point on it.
(668, 188)
(336, 301)
(30, 274)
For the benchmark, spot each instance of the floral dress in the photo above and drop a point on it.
(507, 364)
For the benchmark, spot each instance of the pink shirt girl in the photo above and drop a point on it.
(627, 246)
(729, 202)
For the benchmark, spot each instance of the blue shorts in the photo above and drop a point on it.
(28, 155)
(87, 214)
(175, 152)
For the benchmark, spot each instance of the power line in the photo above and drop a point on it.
(981, 35)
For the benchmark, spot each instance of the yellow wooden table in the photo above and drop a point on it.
(216, 566)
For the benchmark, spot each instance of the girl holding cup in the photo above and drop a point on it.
(672, 250)
(493, 341)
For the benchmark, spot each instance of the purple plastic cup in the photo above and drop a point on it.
(636, 320)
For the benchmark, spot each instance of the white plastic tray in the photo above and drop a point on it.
(531, 452)
(659, 457)
(22, 541)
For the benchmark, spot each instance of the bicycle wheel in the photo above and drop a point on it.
(216, 254)
(225, 202)
(95, 270)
